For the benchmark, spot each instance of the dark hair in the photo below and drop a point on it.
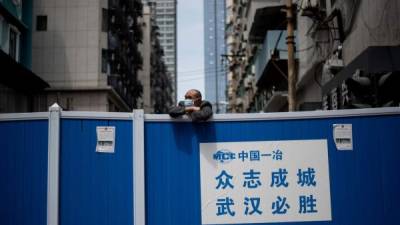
(198, 93)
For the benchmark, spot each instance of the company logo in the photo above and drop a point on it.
(224, 156)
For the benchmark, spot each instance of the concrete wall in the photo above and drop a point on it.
(376, 23)
(80, 100)
(68, 54)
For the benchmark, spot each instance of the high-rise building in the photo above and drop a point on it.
(214, 49)
(88, 52)
(157, 86)
(166, 11)
(20, 88)
(256, 38)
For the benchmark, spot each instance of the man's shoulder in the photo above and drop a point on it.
(205, 103)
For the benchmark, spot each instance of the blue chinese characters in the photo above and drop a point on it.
(279, 176)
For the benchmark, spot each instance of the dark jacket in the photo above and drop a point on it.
(203, 114)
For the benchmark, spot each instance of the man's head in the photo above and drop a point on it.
(195, 96)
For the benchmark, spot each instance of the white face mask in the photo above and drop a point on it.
(188, 102)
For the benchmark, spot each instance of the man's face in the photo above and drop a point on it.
(192, 95)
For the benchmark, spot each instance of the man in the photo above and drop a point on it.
(193, 106)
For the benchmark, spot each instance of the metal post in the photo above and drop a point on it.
(53, 165)
(216, 57)
(291, 63)
(139, 204)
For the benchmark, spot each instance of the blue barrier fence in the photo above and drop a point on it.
(23, 172)
(153, 177)
(364, 182)
(95, 188)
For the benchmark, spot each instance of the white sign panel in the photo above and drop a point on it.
(343, 136)
(105, 139)
(262, 182)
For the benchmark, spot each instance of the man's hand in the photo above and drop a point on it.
(191, 109)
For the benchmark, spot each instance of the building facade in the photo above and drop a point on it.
(214, 51)
(20, 88)
(157, 85)
(88, 52)
(166, 15)
(237, 45)
(256, 38)
(344, 54)
(358, 66)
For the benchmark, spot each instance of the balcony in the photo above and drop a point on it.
(16, 76)
(263, 16)
(276, 102)
(270, 69)
(124, 59)
(270, 62)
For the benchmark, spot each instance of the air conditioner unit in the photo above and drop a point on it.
(239, 101)
(253, 69)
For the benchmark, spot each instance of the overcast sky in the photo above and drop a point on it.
(190, 46)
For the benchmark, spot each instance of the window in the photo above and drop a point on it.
(104, 60)
(70, 103)
(2, 32)
(323, 5)
(104, 21)
(13, 43)
(41, 23)
(167, 29)
(4, 44)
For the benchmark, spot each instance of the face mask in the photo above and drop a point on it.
(188, 102)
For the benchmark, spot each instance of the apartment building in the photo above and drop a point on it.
(87, 51)
(157, 86)
(345, 54)
(256, 39)
(20, 88)
(166, 15)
